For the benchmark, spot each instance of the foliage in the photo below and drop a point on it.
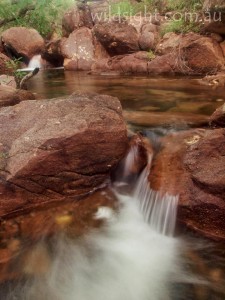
(180, 26)
(151, 55)
(125, 8)
(12, 69)
(178, 5)
(43, 15)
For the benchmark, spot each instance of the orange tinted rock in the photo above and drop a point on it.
(23, 42)
(58, 148)
(192, 165)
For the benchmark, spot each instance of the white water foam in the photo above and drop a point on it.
(35, 62)
(134, 257)
(127, 260)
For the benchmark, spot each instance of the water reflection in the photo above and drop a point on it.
(136, 93)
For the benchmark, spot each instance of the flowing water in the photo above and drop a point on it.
(119, 262)
(121, 244)
(35, 62)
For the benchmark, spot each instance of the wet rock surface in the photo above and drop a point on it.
(191, 164)
(58, 148)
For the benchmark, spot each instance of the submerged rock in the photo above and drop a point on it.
(191, 164)
(58, 148)
(165, 119)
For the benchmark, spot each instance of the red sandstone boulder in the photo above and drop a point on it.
(202, 54)
(58, 148)
(78, 50)
(193, 54)
(168, 64)
(75, 18)
(23, 42)
(10, 96)
(169, 43)
(147, 41)
(131, 63)
(192, 165)
(117, 37)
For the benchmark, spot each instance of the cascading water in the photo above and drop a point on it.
(35, 62)
(133, 257)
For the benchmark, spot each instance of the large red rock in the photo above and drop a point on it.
(169, 43)
(77, 17)
(189, 54)
(202, 55)
(10, 96)
(58, 148)
(23, 42)
(117, 37)
(192, 165)
(78, 50)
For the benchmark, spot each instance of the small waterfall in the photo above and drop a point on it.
(35, 62)
(159, 210)
(134, 257)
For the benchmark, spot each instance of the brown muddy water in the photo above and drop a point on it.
(74, 251)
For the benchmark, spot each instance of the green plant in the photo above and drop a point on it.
(126, 8)
(151, 55)
(12, 67)
(180, 26)
(43, 15)
(190, 5)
